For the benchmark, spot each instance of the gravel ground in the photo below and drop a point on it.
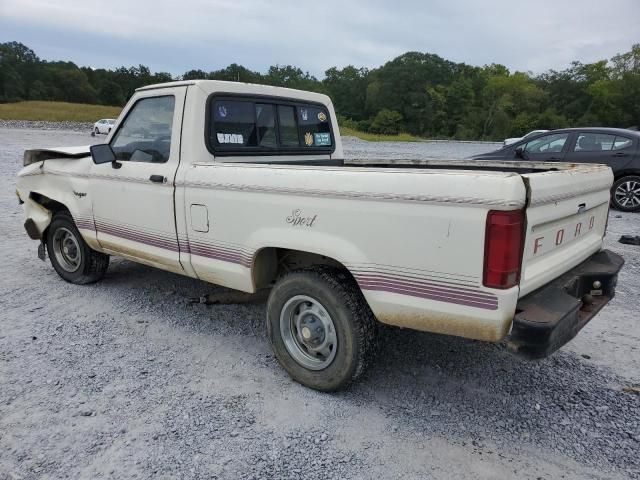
(128, 379)
(42, 125)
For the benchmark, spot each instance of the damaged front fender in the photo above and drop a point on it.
(37, 217)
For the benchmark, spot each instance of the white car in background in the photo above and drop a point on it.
(103, 126)
(509, 141)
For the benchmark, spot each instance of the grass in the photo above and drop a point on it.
(375, 137)
(56, 111)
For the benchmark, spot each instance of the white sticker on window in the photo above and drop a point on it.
(230, 138)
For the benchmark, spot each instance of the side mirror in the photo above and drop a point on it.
(103, 153)
(519, 152)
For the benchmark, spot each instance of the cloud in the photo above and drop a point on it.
(210, 34)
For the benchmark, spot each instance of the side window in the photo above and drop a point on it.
(553, 143)
(145, 134)
(594, 142)
(621, 143)
(254, 126)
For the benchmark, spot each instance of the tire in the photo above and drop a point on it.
(70, 255)
(96, 131)
(108, 131)
(625, 194)
(322, 292)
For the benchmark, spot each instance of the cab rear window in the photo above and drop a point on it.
(245, 126)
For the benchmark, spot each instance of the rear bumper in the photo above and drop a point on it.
(549, 317)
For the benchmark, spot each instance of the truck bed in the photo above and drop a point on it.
(520, 167)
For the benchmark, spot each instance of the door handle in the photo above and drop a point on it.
(157, 178)
(555, 158)
(620, 154)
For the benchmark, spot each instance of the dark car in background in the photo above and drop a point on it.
(619, 148)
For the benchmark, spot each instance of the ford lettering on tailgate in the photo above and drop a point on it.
(549, 237)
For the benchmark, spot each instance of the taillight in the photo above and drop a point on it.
(503, 245)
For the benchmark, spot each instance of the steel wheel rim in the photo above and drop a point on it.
(628, 194)
(308, 332)
(66, 249)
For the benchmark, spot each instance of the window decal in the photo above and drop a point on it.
(308, 139)
(230, 138)
(322, 139)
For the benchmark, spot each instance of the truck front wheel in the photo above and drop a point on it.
(70, 255)
(320, 327)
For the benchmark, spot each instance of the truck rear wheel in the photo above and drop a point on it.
(320, 327)
(70, 255)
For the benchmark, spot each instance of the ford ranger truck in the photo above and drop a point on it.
(246, 186)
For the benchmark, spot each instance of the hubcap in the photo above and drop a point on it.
(66, 249)
(308, 332)
(628, 194)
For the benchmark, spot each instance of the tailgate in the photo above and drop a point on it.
(566, 218)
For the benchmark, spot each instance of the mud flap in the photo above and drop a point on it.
(42, 252)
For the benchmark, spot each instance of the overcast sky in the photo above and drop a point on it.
(176, 36)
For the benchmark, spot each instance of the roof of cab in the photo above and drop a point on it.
(179, 83)
(222, 86)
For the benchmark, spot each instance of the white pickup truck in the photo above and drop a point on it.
(246, 186)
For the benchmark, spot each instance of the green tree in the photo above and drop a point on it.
(387, 122)
(348, 90)
(17, 65)
(111, 94)
(417, 92)
(194, 75)
(292, 77)
(235, 73)
(505, 97)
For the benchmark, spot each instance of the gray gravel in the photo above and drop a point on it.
(42, 125)
(435, 149)
(128, 379)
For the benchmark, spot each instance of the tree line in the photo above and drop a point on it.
(419, 93)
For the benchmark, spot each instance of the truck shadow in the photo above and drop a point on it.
(433, 384)
(480, 392)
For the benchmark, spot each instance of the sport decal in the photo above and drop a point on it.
(296, 218)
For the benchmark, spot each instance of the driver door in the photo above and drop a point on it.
(133, 197)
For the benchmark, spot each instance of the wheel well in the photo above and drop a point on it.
(271, 262)
(52, 205)
(48, 203)
(625, 173)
